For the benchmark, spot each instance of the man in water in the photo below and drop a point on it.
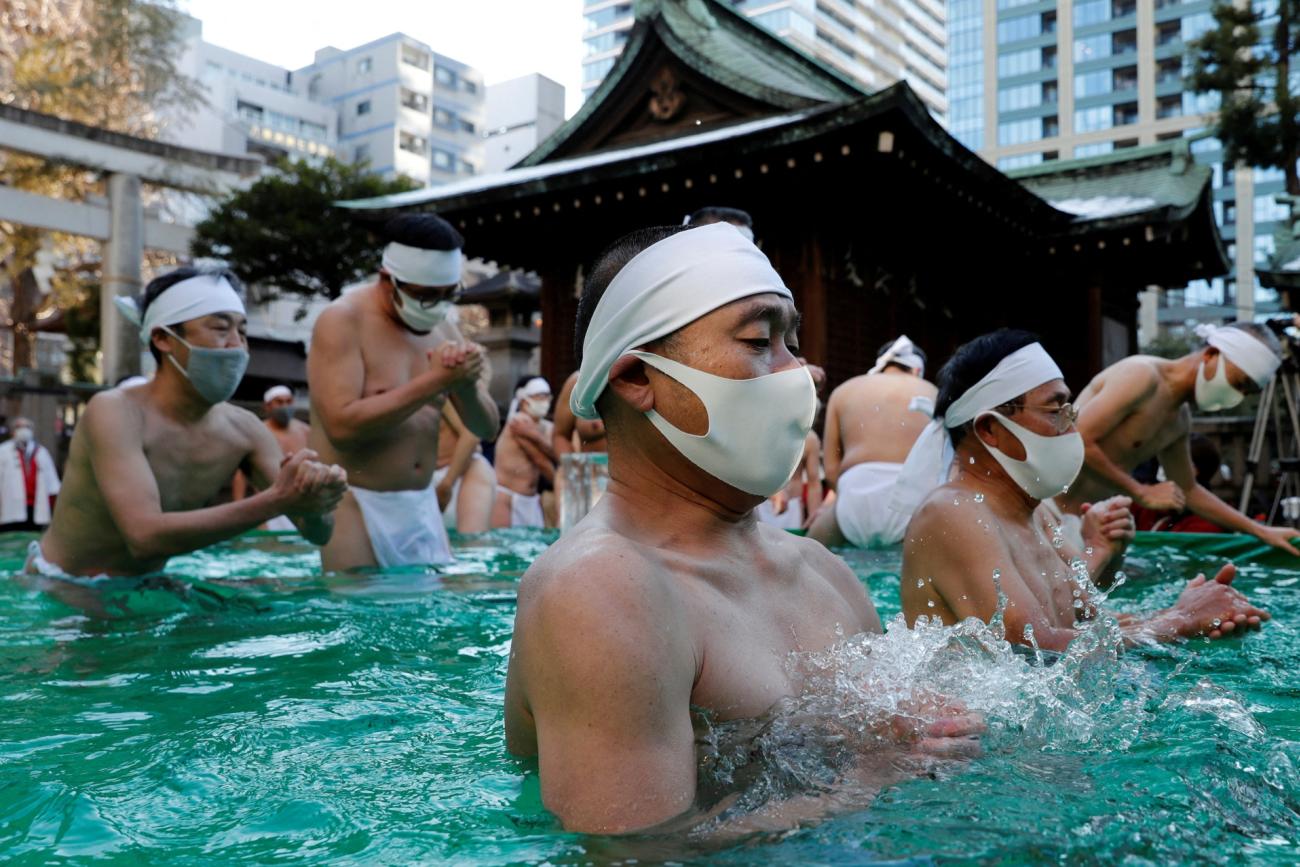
(290, 433)
(1141, 407)
(466, 483)
(524, 456)
(384, 360)
(871, 422)
(570, 433)
(29, 481)
(146, 461)
(1004, 410)
(670, 595)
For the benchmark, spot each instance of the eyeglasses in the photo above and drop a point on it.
(1063, 416)
(429, 299)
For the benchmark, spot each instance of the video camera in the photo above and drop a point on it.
(1287, 329)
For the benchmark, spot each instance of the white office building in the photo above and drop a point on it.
(876, 42)
(521, 114)
(402, 108)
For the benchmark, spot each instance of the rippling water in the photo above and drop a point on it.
(307, 718)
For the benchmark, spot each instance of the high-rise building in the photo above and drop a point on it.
(1034, 81)
(875, 42)
(402, 107)
(521, 113)
(251, 106)
(393, 103)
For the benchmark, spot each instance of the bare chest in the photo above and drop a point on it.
(1046, 575)
(192, 466)
(392, 358)
(1145, 433)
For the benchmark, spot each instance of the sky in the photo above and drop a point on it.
(503, 39)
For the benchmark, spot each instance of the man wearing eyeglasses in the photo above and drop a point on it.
(384, 360)
(981, 543)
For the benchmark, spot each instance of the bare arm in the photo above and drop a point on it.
(832, 448)
(131, 492)
(812, 469)
(1177, 462)
(313, 518)
(565, 421)
(463, 454)
(608, 690)
(336, 377)
(532, 450)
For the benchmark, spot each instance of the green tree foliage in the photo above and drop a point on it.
(107, 63)
(1247, 59)
(285, 233)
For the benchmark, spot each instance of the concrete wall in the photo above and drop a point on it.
(521, 113)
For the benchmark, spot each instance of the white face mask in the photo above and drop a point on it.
(418, 318)
(537, 407)
(22, 435)
(1051, 464)
(1215, 394)
(757, 427)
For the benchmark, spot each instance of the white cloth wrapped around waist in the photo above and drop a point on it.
(405, 527)
(862, 504)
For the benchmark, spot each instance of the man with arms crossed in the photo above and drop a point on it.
(1141, 407)
(383, 362)
(1004, 429)
(466, 482)
(670, 594)
(871, 422)
(146, 461)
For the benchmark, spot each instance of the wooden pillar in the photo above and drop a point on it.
(812, 304)
(559, 304)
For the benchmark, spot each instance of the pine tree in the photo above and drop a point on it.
(1252, 74)
(283, 232)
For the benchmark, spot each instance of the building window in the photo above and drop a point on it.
(1121, 144)
(1123, 8)
(1125, 114)
(1125, 78)
(466, 168)
(443, 160)
(1092, 119)
(1019, 62)
(1169, 106)
(413, 143)
(1092, 83)
(415, 101)
(1019, 131)
(1091, 12)
(1124, 42)
(413, 56)
(1019, 97)
(1092, 48)
(470, 87)
(1169, 71)
(444, 118)
(361, 153)
(1020, 27)
(1049, 91)
(444, 76)
(248, 111)
(1092, 150)
(1168, 32)
(364, 65)
(1019, 161)
(314, 130)
(592, 73)
(607, 16)
(363, 107)
(466, 126)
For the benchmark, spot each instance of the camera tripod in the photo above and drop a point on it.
(1282, 393)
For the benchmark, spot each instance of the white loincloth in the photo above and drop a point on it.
(525, 510)
(38, 565)
(862, 497)
(281, 523)
(405, 527)
(790, 519)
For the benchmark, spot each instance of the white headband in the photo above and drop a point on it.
(277, 391)
(903, 352)
(188, 299)
(531, 388)
(665, 287)
(1244, 350)
(422, 267)
(927, 463)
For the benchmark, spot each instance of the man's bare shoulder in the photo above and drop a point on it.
(1139, 375)
(590, 563)
(341, 317)
(819, 560)
(951, 514)
(116, 410)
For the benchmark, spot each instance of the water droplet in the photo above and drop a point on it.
(1078, 604)
(1088, 550)
(997, 573)
(1216, 623)
(930, 603)
(920, 582)
(1077, 592)
(1058, 542)
(979, 498)
(972, 460)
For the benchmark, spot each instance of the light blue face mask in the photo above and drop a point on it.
(214, 373)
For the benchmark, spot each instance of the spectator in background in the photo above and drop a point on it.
(29, 482)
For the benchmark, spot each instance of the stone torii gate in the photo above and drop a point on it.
(127, 162)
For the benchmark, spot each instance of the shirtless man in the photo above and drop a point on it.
(384, 360)
(147, 460)
(570, 433)
(1141, 407)
(1004, 403)
(669, 595)
(290, 433)
(524, 456)
(871, 423)
(466, 483)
